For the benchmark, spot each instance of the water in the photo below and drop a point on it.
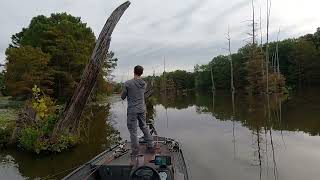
(259, 137)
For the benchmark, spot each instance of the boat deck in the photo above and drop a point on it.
(125, 158)
(116, 162)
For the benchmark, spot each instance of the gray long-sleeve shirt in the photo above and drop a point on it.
(134, 90)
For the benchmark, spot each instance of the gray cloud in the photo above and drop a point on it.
(183, 17)
(185, 32)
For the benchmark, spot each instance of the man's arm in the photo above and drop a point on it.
(124, 92)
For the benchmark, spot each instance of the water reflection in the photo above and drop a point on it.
(233, 122)
(267, 118)
(150, 116)
(254, 111)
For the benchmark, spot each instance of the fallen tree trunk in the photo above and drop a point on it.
(69, 120)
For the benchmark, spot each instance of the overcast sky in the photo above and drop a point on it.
(185, 32)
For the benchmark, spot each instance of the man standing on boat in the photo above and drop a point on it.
(134, 90)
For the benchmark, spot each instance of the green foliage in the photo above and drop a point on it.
(67, 40)
(50, 123)
(255, 69)
(174, 82)
(221, 71)
(180, 80)
(104, 83)
(29, 138)
(27, 66)
(43, 105)
(304, 68)
(35, 136)
(33, 139)
(64, 143)
(202, 77)
(276, 83)
(62, 44)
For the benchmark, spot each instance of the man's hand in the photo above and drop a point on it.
(124, 92)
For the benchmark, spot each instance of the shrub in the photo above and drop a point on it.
(64, 142)
(43, 104)
(49, 124)
(28, 138)
(35, 140)
(36, 136)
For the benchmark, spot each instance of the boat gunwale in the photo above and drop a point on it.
(91, 161)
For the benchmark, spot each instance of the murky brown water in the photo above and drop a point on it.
(253, 138)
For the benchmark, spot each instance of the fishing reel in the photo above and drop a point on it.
(121, 150)
(173, 145)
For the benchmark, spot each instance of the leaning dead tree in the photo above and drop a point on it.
(69, 120)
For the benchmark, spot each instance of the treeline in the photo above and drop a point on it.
(52, 53)
(299, 66)
(175, 81)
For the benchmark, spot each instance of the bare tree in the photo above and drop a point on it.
(261, 32)
(69, 120)
(212, 81)
(261, 46)
(267, 44)
(277, 56)
(230, 59)
(273, 61)
(253, 24)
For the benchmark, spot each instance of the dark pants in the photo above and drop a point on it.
(132, 119)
